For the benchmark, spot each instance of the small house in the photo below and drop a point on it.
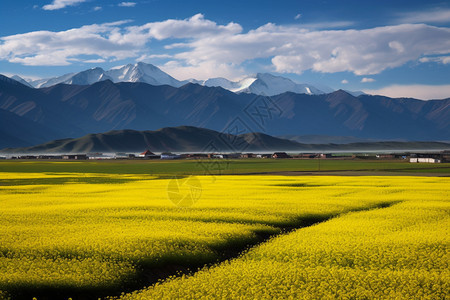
(429, 160)
(280, 155)
(146, 153)
(149, 155)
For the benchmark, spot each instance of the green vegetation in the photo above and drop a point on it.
(217, 167)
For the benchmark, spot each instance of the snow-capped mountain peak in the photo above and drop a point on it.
(245, 84)
(139, 72)
(270, 85)
(222, 82)
(142, 72)
(88, 77)
(261, 83)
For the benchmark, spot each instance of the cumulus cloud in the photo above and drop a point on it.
(418, 91)
(196, 27)
(344, 81)
(48, 48)
(59, 4)
(109, 41)
(127, 4)
(367, 79)
(196, 43)
(294, 50)
(363, 52)
(297, 16)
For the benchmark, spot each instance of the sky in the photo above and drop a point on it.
(394, 48)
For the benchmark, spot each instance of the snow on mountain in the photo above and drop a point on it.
(245, 84)
(142, 72)
(88, 77)
(192, 80)
(139, 72)
(222, 82)
(21, 80)
(270, 85)
(40, 83)
(261, 83)
(82, 78)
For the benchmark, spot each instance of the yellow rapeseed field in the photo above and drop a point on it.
(97, 231)
(399, 252)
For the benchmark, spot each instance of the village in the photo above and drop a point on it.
(417, 157)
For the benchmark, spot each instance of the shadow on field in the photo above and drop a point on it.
(64, 180)
(150, 273)
(88, 179)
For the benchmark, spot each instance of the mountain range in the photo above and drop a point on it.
(193, 139)
(35, 115)
(261, 83)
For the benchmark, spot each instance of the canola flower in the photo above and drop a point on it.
(398, 252)
(98, 230)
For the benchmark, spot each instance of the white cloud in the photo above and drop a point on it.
(298, 16)
(95, 61)
(294, 50)
(431, 16)
(46, 48)
(367, 79)
(97, 8)
(344, 81)
(196, 27)
(440, 59)
(151, 56)
(424, 92)
(109, 41)
(127, 4)
(59, 4)
(197, 43)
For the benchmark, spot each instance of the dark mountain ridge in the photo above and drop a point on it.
(63, 111)
(193, 139)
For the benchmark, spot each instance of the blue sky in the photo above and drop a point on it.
(395, 48)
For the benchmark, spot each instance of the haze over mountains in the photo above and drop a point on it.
(30, 116)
